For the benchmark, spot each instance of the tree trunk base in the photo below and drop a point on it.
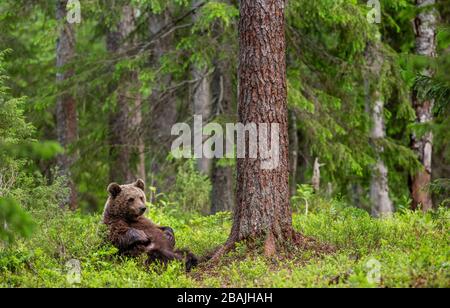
(273, 248)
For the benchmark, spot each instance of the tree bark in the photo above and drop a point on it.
(381, 204)
(127, 160)
(263, 210)
(379, 188)
(66, 106)
(425, 29)
(222, 195)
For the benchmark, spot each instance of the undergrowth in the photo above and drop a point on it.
(408, 250)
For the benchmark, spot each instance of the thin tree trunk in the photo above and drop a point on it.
(163, 105)
(425, 29)
(202, 102)
(293, 151)
(315, 180)
(201, 97)
(222, 196)
(125, 121)
(66, 106)
(137, 133)
(381, 204)
(222, 189)
(263, 211)
(357, 193)
(303, 156)
(379, 188)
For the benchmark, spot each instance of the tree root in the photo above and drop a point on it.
(274, 249)
(223, 250)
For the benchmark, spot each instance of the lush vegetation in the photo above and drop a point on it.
(412, 249)
(127, 83)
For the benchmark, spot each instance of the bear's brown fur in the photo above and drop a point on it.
(132, 233)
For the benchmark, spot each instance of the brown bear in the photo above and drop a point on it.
(133, 234)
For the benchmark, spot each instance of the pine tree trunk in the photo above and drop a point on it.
(381, 204)
(127, 159)
(202, 102)
(263, 211)
(425, 29)
(222, 196)
(66, 106)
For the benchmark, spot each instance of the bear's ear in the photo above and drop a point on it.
(114, 189)
(140, 184)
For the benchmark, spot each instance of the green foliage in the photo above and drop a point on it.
(14, 221)
(441, 187)
(326, 44)
(412, 249)
(303, 197)
(429, 88)
(13, 127)
(191, 191)
(214, 11)
(328, 81)
(437, 87)
(21, 186)
(326, 55)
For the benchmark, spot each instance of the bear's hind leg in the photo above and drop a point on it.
(160, 254)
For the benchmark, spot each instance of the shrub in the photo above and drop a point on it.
(192, 190)
(21, 187)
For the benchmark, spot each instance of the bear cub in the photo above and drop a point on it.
(133, 234)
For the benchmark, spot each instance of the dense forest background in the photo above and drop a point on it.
(91, 101)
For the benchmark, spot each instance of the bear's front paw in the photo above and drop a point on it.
(137, 236)
(169, 234)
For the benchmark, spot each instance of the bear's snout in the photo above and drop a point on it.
(142, 209)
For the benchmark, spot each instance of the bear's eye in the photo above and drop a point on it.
(131, 200)
(142, 199)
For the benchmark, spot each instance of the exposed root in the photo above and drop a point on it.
(270, 248)
(213, 263)
(273, 249)
(229, 246)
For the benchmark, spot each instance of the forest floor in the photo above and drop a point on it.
(407, 250)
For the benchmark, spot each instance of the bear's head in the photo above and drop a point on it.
(125, 201)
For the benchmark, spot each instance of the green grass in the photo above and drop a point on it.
(411, 248)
